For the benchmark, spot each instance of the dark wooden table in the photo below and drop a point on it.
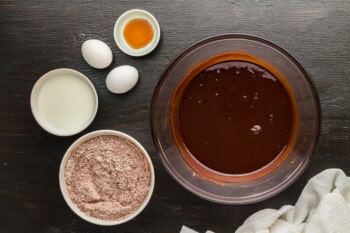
(37, 36)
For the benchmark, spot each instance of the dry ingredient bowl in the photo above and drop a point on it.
(64, 189)
(240, 188)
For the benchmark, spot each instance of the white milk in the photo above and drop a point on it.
(66, 102)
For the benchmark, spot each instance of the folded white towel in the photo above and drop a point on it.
(323, 207)
(185, 229)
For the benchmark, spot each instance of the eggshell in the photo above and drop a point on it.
(122, 79)
(97, 53)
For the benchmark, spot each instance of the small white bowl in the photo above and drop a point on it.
(119, 31)
(64, 102)
(63, 185)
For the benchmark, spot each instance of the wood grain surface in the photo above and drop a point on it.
(37, 36)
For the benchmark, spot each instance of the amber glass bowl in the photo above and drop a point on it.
(236, 188)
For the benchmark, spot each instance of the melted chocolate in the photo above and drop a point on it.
(234, 117)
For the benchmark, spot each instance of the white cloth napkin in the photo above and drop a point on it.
(323, 207)
(185, 229)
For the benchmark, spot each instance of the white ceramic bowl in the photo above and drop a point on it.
(63, 185)
(119, 29)
(64, 102)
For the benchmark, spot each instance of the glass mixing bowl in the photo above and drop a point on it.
(236, 188)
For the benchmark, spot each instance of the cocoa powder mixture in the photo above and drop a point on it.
(108, 177)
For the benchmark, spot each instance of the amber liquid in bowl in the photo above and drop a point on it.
(234, 117)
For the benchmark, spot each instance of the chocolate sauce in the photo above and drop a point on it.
(234, 116)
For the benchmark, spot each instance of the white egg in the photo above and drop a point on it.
(97, 53)
(122, 79)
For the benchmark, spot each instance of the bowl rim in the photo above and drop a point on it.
(34, 96)
(63, 186)
(279, 187)
(119, 28)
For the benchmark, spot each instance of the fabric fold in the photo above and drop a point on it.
(323, 206)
